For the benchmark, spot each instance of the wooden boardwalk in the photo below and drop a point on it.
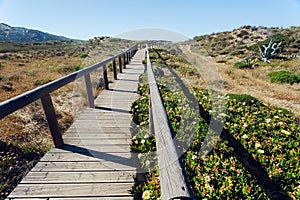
(95, 162)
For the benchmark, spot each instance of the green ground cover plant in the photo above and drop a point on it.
(257, 155)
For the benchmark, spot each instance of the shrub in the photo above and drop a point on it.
(31, 73)
(76, 68)
(277, 38)
(284, 77)
(242, 65)
(84, 55)
(243, 33)
(38, 82)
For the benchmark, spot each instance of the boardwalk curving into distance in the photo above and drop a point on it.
(95, 162)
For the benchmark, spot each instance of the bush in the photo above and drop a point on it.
(84, 55)
(284, 77)
(242, 65)
(243, 33)
(39, 82)
(76, 68)
(277, 38)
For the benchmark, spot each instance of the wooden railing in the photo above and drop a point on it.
(9, 106)
(172, 177)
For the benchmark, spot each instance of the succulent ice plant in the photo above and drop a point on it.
(270, 50)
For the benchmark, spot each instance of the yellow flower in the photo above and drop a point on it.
(245, 136)
(146, 194)
(257, 145)
(285, 132)
(260, 151)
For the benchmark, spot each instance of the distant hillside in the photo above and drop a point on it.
(245, 41)
(20, 34)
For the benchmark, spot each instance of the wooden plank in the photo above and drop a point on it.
(104, 129)
(71, 190)
(79, 177)
(123, 158)
(107, 148)
(96, 136)
(106, 141)
(83, 166)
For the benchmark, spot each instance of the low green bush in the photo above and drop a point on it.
(39, 82)
(84, 55)
(242, 65)
(284, 77)
(76, 68)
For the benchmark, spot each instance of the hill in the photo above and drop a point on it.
(20, 34)
(232, 60)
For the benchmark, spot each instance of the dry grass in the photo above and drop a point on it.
(248, 81)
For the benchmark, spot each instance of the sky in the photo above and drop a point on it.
(85, 19)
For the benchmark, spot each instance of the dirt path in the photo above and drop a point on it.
(226, 79)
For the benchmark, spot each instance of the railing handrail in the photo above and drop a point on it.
(9, 106)
(172, 177)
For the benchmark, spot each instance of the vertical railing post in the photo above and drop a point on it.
(89, 90)
(120, 64)
(115, 69)
(106, 83)
(52, 121)
(124, 58)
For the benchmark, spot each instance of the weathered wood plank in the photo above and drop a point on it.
(89, 155)
(71, 190)
(82, 141)
(107, 148)
(103, 129)
(96, 136)
(83, 166)
(79, 177)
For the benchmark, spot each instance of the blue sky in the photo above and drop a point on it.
(84, 19)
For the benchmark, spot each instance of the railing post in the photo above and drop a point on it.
(52, 121)
(120, 64)
(115, 69)
(124, 58)
(105, 77)
(89, 90)
(130, 55)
